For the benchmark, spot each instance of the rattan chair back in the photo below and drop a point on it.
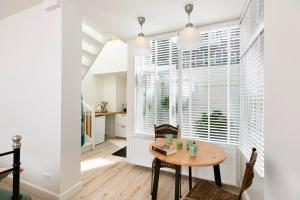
(249, 173)
(162, 130)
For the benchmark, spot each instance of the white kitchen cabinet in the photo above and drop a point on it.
(99, 129)
(121, 125)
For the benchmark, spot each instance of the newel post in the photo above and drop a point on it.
(16, 166)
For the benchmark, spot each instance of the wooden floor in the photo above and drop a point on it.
(115, 179)
(107, 177)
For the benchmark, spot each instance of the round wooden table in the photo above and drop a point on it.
(208, 154)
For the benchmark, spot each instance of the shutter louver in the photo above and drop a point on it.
(252, 83)
(145, 81)
(209, 87)
(157, 81)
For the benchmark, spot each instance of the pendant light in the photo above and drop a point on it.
(189, 38)
(141, 45)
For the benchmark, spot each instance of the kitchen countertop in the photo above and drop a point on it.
(108, 113)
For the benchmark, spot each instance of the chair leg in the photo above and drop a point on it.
(177, 183)
(180, 184)
(152, 174)
(217, 174)
(156, 178)
(190, 178)
(152, 180)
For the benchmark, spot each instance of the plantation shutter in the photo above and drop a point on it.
(210, 88)
(252, 84)
(161, 93)
(145, 99)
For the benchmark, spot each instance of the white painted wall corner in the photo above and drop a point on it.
(51, 4)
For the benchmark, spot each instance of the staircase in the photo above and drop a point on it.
(89, 119)
(93, 41)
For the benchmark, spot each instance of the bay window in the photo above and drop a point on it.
(198, 90)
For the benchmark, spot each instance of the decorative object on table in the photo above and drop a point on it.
(179, 144)
(190, 142)
(189, 38)
(141, 45)
(101, 107)
(164, 148)
(160, 132)
(169, 138)
(193, 149)
(205, 189)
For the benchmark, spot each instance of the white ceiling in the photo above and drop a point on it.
(119, 17)
(10, 7)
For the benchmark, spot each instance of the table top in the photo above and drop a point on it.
(208, 154)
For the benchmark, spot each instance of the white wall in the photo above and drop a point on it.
(282, 98)
(71, 97)
(30, 81)
(90, 86)
(113, 58)
(111, 88)
(108, 87)
(100, 83)
(130, 90)
(37, 83)
(121, 92)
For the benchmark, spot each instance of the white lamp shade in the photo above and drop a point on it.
(141, 46)
(189, 39)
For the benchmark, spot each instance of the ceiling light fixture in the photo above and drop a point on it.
(141, 45)
(189, 38)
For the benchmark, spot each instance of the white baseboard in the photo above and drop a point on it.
(38, 191)
(71, 191)
(35, 190)
(246, 196)
(46, 194)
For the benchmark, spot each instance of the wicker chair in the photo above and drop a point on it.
(160, 132)
(207, 190)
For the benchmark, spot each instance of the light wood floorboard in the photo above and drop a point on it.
(108, 177)
(119, 180)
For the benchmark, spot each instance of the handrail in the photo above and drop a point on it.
(15, 167)
(90, 109)
(6, 153)
(6, 171)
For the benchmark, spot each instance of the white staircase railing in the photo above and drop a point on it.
(89, 120)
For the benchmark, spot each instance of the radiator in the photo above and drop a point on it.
(138, 154)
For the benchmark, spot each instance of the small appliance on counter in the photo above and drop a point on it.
(125, 107)
(101, 107)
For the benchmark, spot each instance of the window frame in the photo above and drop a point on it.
(180, 76)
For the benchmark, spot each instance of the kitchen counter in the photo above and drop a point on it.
(108, 113)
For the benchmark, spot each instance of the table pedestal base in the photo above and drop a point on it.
(157, 166)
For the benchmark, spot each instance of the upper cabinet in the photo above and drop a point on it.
(112, 58)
